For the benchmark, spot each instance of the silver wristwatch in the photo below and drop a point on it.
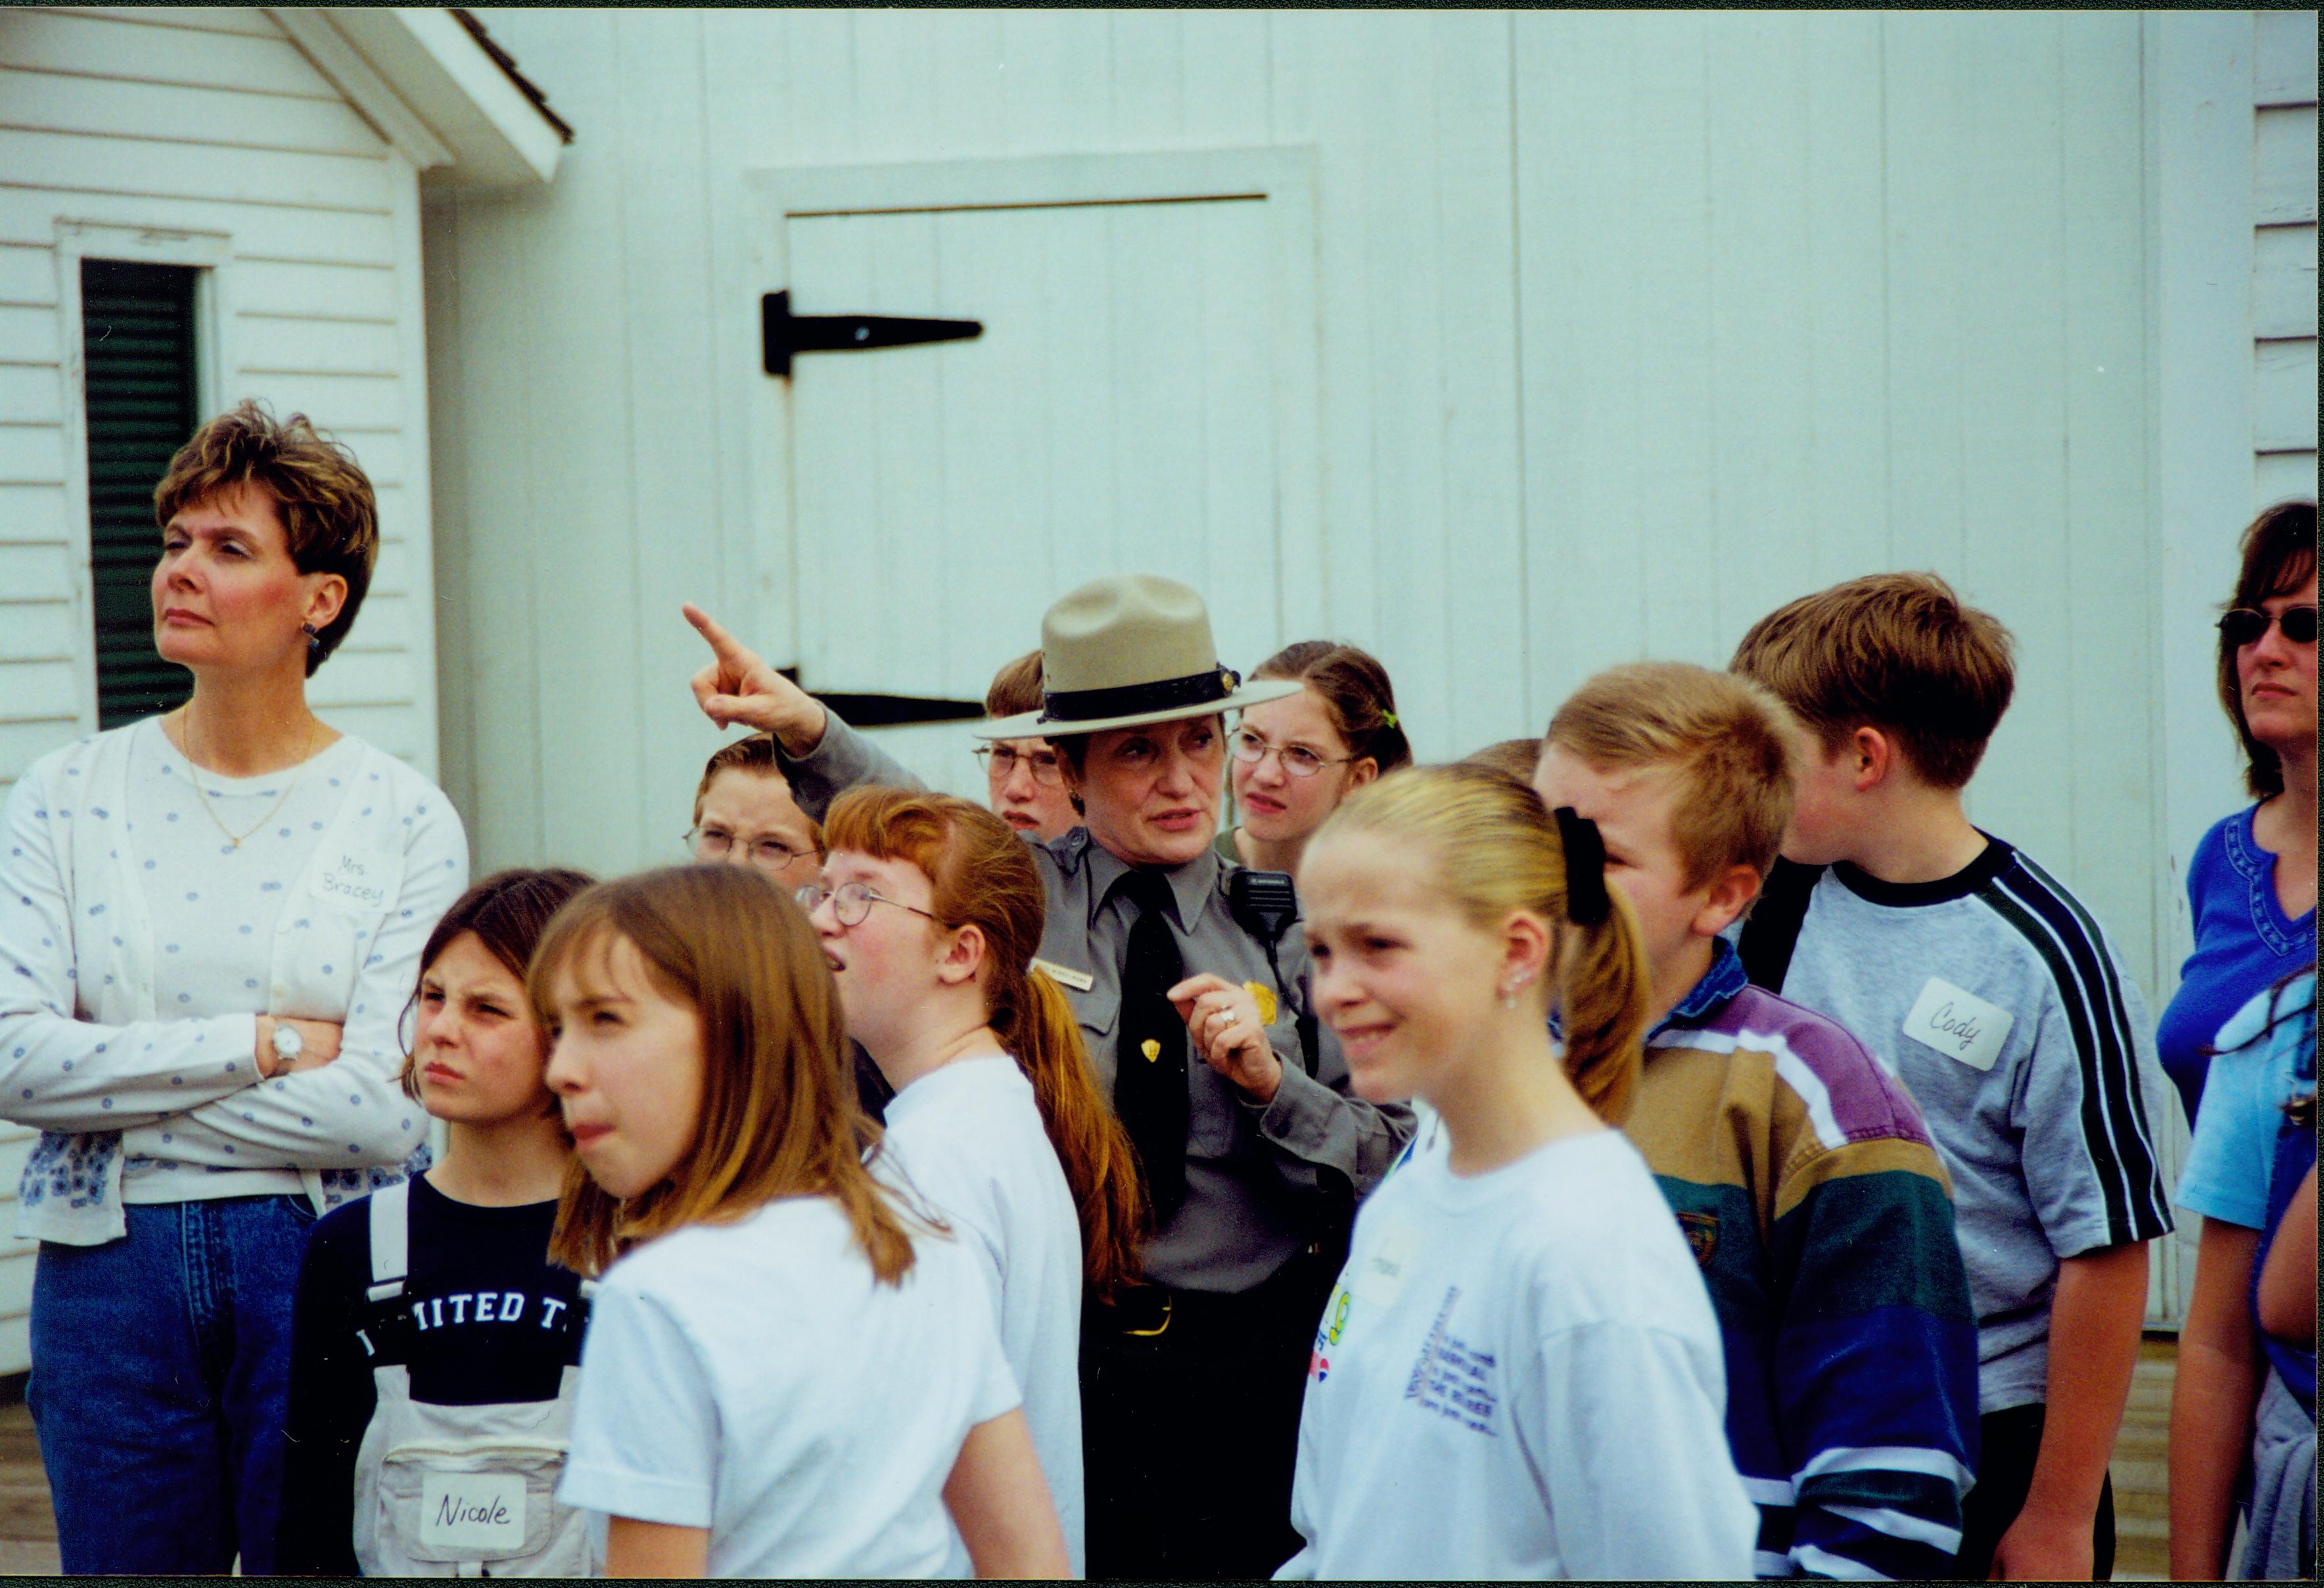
(288, 1045)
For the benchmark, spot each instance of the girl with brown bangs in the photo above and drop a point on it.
(788, 1372)
(429, 1309)
(929, 910)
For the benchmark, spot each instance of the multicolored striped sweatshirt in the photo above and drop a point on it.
(1809, 1191)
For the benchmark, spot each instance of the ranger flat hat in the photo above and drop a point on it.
(1125, 652)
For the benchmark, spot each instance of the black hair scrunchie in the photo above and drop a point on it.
(1586, 904)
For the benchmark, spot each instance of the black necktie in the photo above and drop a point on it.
(1149, 1059)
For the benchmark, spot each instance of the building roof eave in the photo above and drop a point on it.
(437, 89)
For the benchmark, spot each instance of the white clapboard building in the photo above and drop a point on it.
(1506, 346)
(196, 206)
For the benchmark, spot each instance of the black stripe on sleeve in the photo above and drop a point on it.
(2113, 1107)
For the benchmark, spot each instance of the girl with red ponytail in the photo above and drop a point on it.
(931, 910)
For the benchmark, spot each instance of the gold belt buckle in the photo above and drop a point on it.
(1157, 1329)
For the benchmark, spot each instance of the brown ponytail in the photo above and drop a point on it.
(1496, 850)
(981, 874)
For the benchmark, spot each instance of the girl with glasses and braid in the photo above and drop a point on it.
(1519, 1373)
(929, 914)
(1297, 758)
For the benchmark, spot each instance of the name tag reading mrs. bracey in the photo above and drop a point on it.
(471, 1511)
(1958, 1024)
(359, 880)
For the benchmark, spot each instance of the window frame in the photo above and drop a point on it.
(210, 256)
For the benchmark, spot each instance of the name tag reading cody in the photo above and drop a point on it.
(1958, 1024)
(360, 880)
(471, 1511)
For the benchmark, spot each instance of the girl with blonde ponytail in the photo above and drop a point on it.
(929, 910)
(1519, 1373)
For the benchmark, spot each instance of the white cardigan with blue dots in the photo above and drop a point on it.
(83, 1052)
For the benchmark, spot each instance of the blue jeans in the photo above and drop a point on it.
(161, 1375)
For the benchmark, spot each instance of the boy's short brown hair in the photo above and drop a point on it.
(330, 519)
(1895, 651)
(1015, 687)
(1728, 743)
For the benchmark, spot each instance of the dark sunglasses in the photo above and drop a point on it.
(2241, 627)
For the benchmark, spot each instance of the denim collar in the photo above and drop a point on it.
(1724, 979)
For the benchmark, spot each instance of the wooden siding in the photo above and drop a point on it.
(2283, 255)
(1631, 326)
(202, 129)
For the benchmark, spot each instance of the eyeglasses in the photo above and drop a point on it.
(769, 854)
(2241, 626)
(1297, 760)
(851, 901)
(1000, 764)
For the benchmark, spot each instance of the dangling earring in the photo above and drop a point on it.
(1509, 991)
(314, 640)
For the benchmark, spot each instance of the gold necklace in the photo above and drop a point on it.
(194, 771)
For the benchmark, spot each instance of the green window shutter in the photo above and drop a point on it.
(137, 348)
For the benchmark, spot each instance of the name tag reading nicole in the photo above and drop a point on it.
(471, 1511)
(1958, 1024)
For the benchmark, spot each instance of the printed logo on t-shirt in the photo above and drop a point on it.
(1958, 1024)
(1702, 1233)
(1453, 1379)
(359, 880)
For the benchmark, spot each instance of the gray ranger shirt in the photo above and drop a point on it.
(1252, 1184)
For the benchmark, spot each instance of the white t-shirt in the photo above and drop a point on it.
(1519, 1375)
(753, 1379)
(968, 1138)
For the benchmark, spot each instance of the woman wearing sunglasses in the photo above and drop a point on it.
(1297, 758)
(2252, 882)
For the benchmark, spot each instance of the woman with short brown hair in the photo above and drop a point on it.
(214, 917)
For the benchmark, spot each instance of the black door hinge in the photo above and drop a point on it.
(785, 333)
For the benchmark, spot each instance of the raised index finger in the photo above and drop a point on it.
(727, 646)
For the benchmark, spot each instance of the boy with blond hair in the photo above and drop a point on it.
(1992, 993)
(1800, 1171)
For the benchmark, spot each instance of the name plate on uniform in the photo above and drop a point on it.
(471, 1511)
(1958, 1024)
(1065, 976)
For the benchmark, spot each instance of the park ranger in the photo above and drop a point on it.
(1251, 1153)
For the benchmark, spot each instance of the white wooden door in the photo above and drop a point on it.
(1141, 399)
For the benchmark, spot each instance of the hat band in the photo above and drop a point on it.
(1063, 707)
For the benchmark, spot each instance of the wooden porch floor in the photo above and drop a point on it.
(28, 1534)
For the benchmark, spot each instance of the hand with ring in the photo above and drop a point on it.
(1223, 1021)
